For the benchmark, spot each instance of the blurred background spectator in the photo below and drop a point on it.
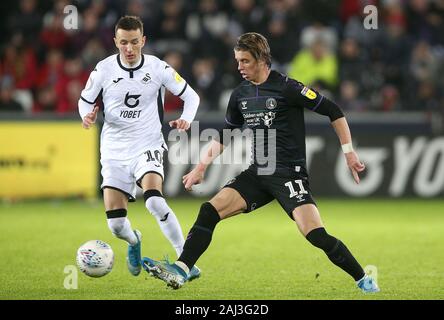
(7, 101)
(323, 43)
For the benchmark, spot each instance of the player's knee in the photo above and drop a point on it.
(227, 202)
(116, 220)
(156, 204)
(321, 239)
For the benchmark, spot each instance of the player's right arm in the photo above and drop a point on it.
(196, 175)
(87, 102)
(233, 119)
(90, 118)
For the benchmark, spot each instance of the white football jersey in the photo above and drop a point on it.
(133, 103)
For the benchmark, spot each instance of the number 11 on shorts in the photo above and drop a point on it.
(293, 192)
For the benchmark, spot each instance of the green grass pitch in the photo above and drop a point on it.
(260, 255)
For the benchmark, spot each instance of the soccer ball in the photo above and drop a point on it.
(95, 258)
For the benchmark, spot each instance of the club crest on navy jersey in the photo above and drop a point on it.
(271, 103)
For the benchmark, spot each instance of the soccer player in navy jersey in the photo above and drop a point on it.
(272, 104)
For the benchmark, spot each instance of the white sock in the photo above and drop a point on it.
(167, 221)
(121, 228)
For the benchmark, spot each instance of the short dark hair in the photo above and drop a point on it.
(129, 23)
(256, 44)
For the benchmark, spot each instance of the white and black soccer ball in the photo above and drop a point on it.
(95, 258)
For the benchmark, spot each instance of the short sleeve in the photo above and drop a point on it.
(94, 85)
(172, 80)
(299, 95)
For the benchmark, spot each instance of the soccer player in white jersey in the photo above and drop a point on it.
(132, 85)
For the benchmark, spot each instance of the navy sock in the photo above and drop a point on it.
(200, 235)
(336, 251)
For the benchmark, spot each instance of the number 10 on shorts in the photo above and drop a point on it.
(293, 192)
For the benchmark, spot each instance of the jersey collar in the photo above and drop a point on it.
(131, 70)
(142, 60)
(271, 76)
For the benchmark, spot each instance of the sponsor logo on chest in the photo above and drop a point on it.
(131, 101)
(254, 119)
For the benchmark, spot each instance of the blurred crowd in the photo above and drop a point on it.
(322, 43)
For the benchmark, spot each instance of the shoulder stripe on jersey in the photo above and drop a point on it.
(183, 90)
(263, 97)
(319, 102)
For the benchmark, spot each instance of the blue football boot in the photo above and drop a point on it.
(194, 273)
(133, 259)
(368, 285)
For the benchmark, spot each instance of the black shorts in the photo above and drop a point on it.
(290, 190)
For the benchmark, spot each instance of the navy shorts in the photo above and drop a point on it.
(291, 190)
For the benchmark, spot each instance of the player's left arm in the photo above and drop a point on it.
(179, 87)
(298, 94)
(333, 111)
(191, 102)
(343, 131)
